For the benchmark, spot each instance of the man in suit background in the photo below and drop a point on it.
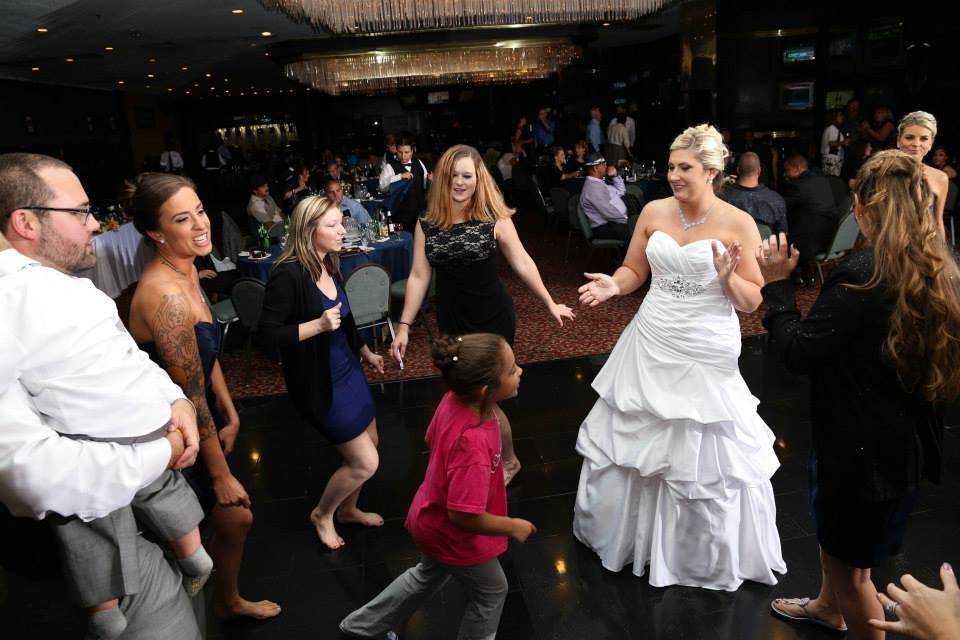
(811, 213)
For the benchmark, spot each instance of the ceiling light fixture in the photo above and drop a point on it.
(236, 12)
(184, 68)
(378, 16)
(34, 68)
(121, 82)
(42, 30)
(266, 34)
(411, 66)
(152, 60)
(108, 48)
(69, 60)
(208, 74)
(150, 75)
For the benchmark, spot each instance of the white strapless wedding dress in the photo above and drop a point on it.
(676, 461)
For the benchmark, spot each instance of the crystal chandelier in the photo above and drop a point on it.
(382, 16)
(475, 63)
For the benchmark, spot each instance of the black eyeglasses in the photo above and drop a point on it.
(83, 214)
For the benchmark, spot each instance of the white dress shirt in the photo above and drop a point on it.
(72, 368)
(388, 176)
(631, 126)
(264, 210)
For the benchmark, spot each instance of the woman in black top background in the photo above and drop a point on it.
(881, 346)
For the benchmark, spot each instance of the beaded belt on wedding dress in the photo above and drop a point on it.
(678, 286)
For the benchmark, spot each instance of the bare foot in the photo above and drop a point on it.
(326, 531)
(245, 608)
(510, 469)
(355, 516)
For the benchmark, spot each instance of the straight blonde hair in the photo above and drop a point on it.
(304, 221)
(487, 204)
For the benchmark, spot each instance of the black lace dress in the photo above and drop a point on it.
(470, 296)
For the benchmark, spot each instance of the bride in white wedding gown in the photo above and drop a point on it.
(676, 461)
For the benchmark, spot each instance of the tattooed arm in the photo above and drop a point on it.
(171, 326)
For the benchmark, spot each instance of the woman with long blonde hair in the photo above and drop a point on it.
(306, 318)
(466, 225)
(880, 346)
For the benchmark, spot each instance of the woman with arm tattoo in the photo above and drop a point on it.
(172, 321)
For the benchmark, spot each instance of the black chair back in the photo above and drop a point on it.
(247, 296)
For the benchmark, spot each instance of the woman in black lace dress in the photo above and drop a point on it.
(467, 222)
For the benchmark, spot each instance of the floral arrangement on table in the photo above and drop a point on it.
(111, 218)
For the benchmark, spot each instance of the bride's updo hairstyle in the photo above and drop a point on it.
(144, 195)
(706, 144)
(468, 363)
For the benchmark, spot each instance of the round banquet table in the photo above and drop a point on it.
(121, 257)
(395, 254)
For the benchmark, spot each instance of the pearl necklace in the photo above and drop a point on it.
(689, 225)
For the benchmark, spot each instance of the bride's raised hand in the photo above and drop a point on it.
(726, 263)
(600, 289)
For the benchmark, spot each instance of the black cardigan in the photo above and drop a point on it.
(873, 440)
(292, 297)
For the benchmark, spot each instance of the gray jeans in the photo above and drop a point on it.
(486, 588)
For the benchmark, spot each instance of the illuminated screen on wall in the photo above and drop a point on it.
(796, 96)
(799, 53)
(438, 97)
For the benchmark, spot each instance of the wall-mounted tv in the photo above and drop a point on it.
(438, 97)
(796, 96)
(806, 52)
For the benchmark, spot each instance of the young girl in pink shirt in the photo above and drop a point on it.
(458, 518)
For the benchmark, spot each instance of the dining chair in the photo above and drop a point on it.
(597, 243)
(398, 291)
(247, 296)
(368, 291)
(842, 243)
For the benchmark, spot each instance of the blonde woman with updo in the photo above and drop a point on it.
(881, 347)
(915, 137)
(676, 461)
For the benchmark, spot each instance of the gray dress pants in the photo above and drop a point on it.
(486, 588)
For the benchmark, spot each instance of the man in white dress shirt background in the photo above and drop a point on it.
(44, 213)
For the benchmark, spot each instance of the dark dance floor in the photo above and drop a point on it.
(557, 587)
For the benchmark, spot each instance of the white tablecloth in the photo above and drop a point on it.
(121, 256)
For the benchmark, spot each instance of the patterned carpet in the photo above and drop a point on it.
(538, 338)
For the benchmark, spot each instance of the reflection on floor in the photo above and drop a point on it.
(557, 587)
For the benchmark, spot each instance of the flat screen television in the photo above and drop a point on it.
(800, 53)
(438, 97)
(796, 96)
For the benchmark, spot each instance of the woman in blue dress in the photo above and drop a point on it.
(306, 319)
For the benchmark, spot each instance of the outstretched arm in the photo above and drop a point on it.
(524, 266)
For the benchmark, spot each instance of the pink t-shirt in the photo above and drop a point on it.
(463, 474)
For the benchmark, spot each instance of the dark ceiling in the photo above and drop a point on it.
(197, 46)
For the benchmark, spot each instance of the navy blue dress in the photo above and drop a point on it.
(208, 344)
(351, 407)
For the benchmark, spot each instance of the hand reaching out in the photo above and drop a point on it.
(561, 311)
(777, 260)
(600, 289)
(921, 611)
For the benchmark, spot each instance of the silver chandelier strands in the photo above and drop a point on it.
(410, 66)
(384, 16)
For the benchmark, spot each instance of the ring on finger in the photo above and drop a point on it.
(891, 608)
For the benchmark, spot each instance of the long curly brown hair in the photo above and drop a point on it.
(914, 263)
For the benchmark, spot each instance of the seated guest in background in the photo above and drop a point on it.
(216, 284)
(335, 171)
(578, 161)
(941, 160)
(261, 206)
(409, 169)
(555, 173)
(603, 203)
(333, 189)
(297, 187)
(811, 212)
(762, 203)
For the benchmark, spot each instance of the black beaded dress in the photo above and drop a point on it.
(471, 298)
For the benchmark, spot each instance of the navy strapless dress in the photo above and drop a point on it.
(351, 405)
(208, 344)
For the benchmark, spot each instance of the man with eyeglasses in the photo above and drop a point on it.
(68, 366)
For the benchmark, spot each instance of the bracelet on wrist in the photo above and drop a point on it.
(402, 322)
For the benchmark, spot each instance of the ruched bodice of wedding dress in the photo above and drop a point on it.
(677, 463)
